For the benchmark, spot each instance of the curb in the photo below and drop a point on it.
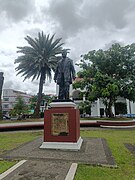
(117, 127)
(71, 172)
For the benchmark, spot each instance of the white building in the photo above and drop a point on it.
(10, 99)
(98, 106)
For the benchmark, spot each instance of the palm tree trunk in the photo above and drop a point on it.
(37, 109)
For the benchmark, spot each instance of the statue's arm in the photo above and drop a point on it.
(56, 73)
(73, 70)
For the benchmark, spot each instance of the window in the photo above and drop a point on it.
(6, 92)
(6, 99)
(5, 112)
(6, 106)
(42, 103)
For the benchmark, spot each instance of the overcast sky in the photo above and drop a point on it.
(83, 25)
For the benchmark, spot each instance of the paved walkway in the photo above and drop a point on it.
(83, 123)
(45, 164)
(40, 170)
(37, 123)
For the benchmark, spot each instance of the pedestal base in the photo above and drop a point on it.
(63, 145)
(62, 127)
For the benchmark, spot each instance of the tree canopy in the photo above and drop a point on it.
(108, 74)
(20, 107)
(45, 99)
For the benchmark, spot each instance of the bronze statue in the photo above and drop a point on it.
(64, 75)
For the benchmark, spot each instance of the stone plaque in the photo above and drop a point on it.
(59, 124)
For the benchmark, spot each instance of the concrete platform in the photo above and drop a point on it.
(93, 151)
(57, 164)
(63, 145)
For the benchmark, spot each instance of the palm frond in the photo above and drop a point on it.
(41, 53)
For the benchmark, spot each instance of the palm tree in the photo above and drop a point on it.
(38, 61)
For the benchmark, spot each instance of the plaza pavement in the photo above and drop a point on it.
(45, 164)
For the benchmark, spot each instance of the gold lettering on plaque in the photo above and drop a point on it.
(59, 124)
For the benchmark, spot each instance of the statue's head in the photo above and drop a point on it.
(1, 73)
(64, 53)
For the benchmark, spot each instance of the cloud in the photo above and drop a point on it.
(65, 15)
(71, 17)
(33, 32)
(10, 65)
(8, 84)
(84, 25)
(106, 13)
(108, 45)
(16, 10)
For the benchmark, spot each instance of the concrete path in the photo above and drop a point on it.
(21, 124)
(54, 164)
(40, 170)
(37, 123)
(85, 123)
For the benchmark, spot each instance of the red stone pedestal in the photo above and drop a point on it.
(62, 127)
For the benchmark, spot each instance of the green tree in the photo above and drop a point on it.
(85, 107)
(20, 107)
(38, 61)
(107, 74)
(33, 102)
(45, 98)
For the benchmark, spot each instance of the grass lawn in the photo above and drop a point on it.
(115, 138)
(4, 165)
(124, 159)
(9, 141)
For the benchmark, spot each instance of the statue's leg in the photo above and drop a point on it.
(61, 87)
(67, 86)
(60, 92)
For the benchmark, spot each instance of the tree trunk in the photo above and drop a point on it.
(37, 109)
(106, 107)
(110, 114)
(106, 111)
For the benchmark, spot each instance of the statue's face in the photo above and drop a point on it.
(64, 54)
